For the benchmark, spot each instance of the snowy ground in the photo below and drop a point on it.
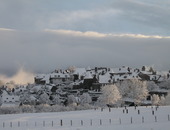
(91, 120)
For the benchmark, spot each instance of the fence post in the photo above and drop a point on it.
(142, 119)
(71, 122)
(61, 122)
(120, 121)
(52, 123)
(126, 110)
(10, 124)
(35, 124)
(152, 112)
(138, 112)
(81, 122)
(109, 109)
(100, 122)
(18, 123)
(110, 121)
(155, 119)
(91, 122)
(131, 120)
(43, 123)
(168, 118)
(3, 124)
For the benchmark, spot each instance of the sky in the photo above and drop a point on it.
(41, 35)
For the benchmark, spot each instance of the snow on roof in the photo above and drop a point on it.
(40, 76)
(126, 76)
(46, 78)
(111, 71)
(88, 68)
(104, 78)
(36, 88)
(120, 70)
(88, 76)
(80, 71)
(146, 72)
(160, 90)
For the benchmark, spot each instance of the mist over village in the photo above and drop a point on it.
(78, 65)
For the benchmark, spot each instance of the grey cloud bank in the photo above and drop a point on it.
(35, 34)
(47, 50)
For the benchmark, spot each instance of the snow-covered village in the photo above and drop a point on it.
(84, 65)
(99, 86)
(98, 91)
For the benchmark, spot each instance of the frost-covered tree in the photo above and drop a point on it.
(151, 86)
(155, 99)
(167, 99)
(85, 98)
(134, 89)
(71, 99)
(57, 100)
(165, 84)
(110, 95)
(44, 99)
(0, 100)
(162, 100)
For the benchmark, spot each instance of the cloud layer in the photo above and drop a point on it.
(50, 49)
(145, 17)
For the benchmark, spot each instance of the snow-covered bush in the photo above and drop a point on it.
(27, 109)
(44, 99)
(110, 95)
(73, 100)
(85, 98)
(57, 100)
(10, 110)
(43, 108)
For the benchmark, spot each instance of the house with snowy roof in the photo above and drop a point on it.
(9, 100)
(60, 78)
(79, 74)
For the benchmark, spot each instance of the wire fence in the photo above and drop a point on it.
(81, 122)
(88, 122)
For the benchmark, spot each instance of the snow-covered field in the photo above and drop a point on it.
(141, 118)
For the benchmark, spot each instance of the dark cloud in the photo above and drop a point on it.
(48, 50)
